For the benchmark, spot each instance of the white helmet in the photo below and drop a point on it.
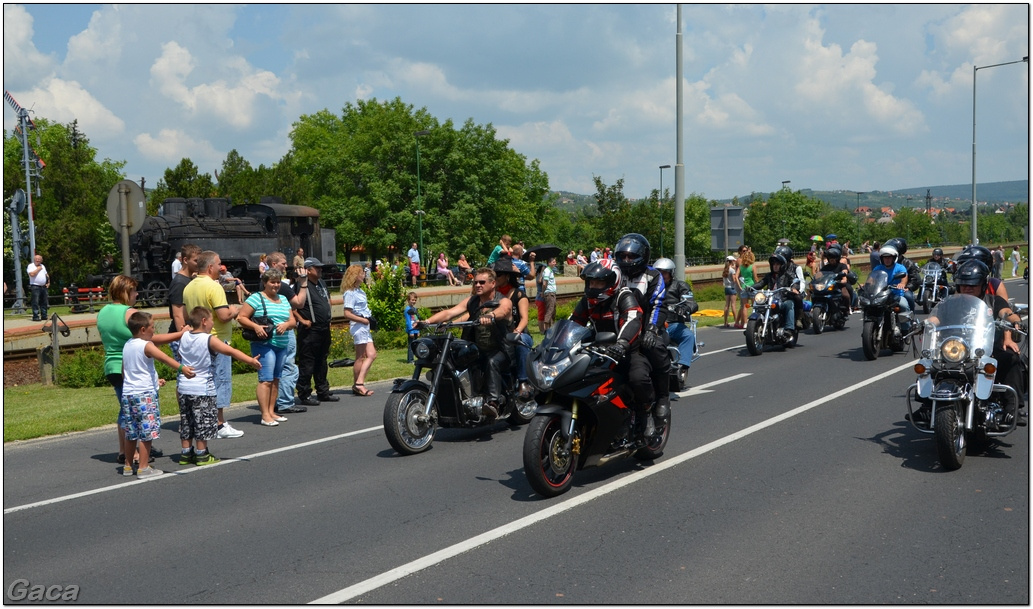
(889, 250)
(664, 264)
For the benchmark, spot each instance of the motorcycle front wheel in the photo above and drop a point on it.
(869, 341)
(407, 430)
(950, 438)
(548, 465)
(818, 319)
(754, 338)
(927, 302)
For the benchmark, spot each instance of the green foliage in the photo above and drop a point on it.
(387, 298)
(184, 180)
(83, 368)
(341, 344)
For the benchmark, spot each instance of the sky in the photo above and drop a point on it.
(828, 97)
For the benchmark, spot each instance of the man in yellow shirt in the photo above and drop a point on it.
(206, 291)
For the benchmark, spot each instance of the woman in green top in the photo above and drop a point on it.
(271, 350)
(112, 323)
(745, 279)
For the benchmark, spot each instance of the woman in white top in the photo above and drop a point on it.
(357, 312)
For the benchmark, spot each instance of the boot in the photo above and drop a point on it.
(644, 427)
(660, 409)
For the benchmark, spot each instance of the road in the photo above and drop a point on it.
(798, 483)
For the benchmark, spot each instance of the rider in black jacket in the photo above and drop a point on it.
(779, 277)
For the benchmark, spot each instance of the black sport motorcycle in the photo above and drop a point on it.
(585, 412)
(765, 324)
(934, 286)
(452, 394)
(827, 308)
(882, 315)
(961, 404)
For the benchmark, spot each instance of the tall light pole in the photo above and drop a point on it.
(857, 214)
(975, 238)
(784, 186)
(662, 167)
(419, 194)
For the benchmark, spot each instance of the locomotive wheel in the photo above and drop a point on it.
(156, 294)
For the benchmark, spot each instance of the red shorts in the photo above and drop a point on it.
(414, 268)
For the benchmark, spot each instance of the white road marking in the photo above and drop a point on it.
(168, 475)
(743, 346)
(700, 389)
(430, 560)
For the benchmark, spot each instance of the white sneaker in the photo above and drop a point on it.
(148, 472)
(227, 431)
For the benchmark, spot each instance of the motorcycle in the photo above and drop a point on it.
(765, 324)
(586, 413)
(961, 403)
(882, 315)
(452, 394)
(827, 308)
(933, 288)
(681, 313)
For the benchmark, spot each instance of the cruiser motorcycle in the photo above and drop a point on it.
(681, 313)
(960, 404)
(452, 394)
(882, 315)
(933, 288)
(765, 324)
(827, 308)
(586, 410)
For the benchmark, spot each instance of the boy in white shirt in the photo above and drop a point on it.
(198, 415)
(140, 416)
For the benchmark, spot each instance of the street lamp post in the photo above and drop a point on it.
(662, 167)
(975, 68)
(857, 214)
(784, 183)
(419, 194)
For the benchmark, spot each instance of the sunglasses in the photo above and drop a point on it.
(480, 282)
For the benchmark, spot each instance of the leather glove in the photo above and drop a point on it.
(617, 351)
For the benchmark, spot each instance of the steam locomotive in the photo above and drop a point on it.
(239, 233)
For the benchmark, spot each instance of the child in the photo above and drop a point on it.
(198, 416)
(140, 416)
(411, 317)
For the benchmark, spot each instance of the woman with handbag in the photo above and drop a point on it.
(266, 319)
(359, 316)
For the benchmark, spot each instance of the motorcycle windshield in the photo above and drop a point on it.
(877, 281)
(963, 318)
(562, 339)
(825, 281)
(932, 267)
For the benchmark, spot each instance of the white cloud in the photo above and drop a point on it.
(172, 145)
(100, 42)
(64, 101)
(23, 63)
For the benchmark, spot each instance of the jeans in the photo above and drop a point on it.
(223, 380)
(40, 305)
(788, 313)
(522, 350)
(906, 307)
(289, 376)
(272, 359)
(685, 338)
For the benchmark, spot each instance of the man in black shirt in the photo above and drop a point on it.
(313, 335)
(177, 310)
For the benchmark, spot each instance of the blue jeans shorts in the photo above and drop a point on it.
(272, 359)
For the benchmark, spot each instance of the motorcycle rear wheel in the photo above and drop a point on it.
(818, 319)
(405, 432)
(950, 439)
(754, 340)
(549, 467)
(869, 342)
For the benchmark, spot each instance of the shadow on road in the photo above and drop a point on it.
(917, 450)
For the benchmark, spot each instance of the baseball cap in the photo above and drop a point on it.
(310, 262)
(732, 258)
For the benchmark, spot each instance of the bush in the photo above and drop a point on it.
(84, 368)
(387, 298)
(237, 342)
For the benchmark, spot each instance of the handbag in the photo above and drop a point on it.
(262, 320)
(373, 324)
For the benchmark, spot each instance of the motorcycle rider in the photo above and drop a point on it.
(612, 306)
(632, 255)
(973, 278)
(888, 257)
(506, 274)
(994, 285)
(834, 265)
(489, 336)
(779, 277)
(676, 314)
(914, 275)
(794, 270)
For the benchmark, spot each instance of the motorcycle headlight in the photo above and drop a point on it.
(953, 350)
(760, 298)
(545, 374)
(423, 348)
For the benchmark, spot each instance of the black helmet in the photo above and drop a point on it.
(972, 272)
(898, 244)
(607, 271)
(834, 252)
(937, 252)
(632, 254)
(777, 258)
(976, 252)
(784, 251)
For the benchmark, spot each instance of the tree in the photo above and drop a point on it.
(184, 180)
(70, 212)
(615, 211)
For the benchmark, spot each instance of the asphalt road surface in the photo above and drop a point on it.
(789, 478)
